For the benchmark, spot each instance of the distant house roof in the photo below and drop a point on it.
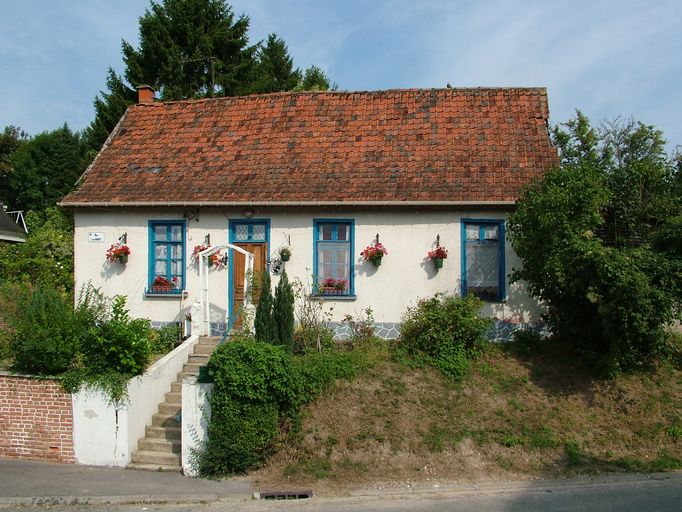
(9, 231)
(423, 146)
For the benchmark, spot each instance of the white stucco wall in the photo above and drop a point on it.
(107, 436)
(196, 415)
(403, 276)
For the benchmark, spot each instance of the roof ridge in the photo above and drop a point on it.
(533, 89)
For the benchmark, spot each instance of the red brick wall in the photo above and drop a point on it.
(36, 420)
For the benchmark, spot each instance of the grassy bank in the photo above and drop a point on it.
(518, 414)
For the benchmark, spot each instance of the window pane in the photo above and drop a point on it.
(342, 232)
(491, 232)
(160, 268)
(176, 233)
(472, 231)
(483, 270)
(259, 232)
(326, 231)
(176, 267)
(241, 232)
(176, 251)
(159, 232)
(160, 251)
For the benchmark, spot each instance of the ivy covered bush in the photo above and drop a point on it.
(443, 331)
(258, 392)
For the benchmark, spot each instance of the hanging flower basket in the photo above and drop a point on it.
(118, 253)
(213, 260)
(285, 253)
(374, 253)
(438, 255)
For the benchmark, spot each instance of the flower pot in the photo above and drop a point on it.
(438, 262)
(285, 257)
(376, 261)
(123, 259)
(162, 289)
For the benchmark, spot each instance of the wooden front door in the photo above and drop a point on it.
(259, 252)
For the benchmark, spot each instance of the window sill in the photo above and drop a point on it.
(336, 297)
(169, 295)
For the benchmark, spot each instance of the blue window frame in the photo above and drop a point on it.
(333, 257)
(166, 256)
(483, 272)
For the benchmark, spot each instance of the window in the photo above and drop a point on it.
(483, 259)
(333, 257)
(166, 257)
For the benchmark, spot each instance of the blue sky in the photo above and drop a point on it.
(607, 58)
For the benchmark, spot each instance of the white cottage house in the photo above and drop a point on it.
(326, 174)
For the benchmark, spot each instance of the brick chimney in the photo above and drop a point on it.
(145, 94)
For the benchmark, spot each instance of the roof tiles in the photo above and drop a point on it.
(424, 145)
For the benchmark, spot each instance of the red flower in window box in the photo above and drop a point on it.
(333, 286)
(162, 284)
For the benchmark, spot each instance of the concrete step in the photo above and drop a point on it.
(205, 350)
(154, 444)
(154, 467)
(166, 408)
(191, 368)
(198, 359)
(174, 397)
(168, 433)
(166, 459)
(176, 387)
(165, 420)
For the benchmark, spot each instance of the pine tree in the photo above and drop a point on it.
(283, 311)
(109, 107)
(192, 48)
(275, 67)
(264, 323)
(314, 79)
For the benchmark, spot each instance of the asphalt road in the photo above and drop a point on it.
(628, 493)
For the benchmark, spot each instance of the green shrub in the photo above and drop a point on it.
(46, 338)
(264, 323)
(120, 344)
(283, 312)
(165, 339)
(256, 388)
(443, 331)
(319, 371)
(313, 338)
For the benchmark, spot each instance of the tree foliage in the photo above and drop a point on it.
(264, 323)
(283, 312)
(195, 49)
(585, 233)
(46, 258)
(37, 172)
(275, 67)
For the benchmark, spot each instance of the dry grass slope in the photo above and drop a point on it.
(517, 416)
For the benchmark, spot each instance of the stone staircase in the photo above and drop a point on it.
(160, 449)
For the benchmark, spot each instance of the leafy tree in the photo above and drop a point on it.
(275, 67)
(264, 323)
(46, 258)
(10, 140)
(192, 48)
(584, 234)
(283, 312)
(44, 169)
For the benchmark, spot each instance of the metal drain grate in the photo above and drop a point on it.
(285, 495)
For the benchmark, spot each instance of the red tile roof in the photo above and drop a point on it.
(396, 146)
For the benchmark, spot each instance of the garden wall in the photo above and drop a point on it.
(36, 419)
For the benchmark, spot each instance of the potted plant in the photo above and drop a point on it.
(213, 259)
(118, 253)
(162, 284)
(285, 253)
(438, 255)
(374, 253)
